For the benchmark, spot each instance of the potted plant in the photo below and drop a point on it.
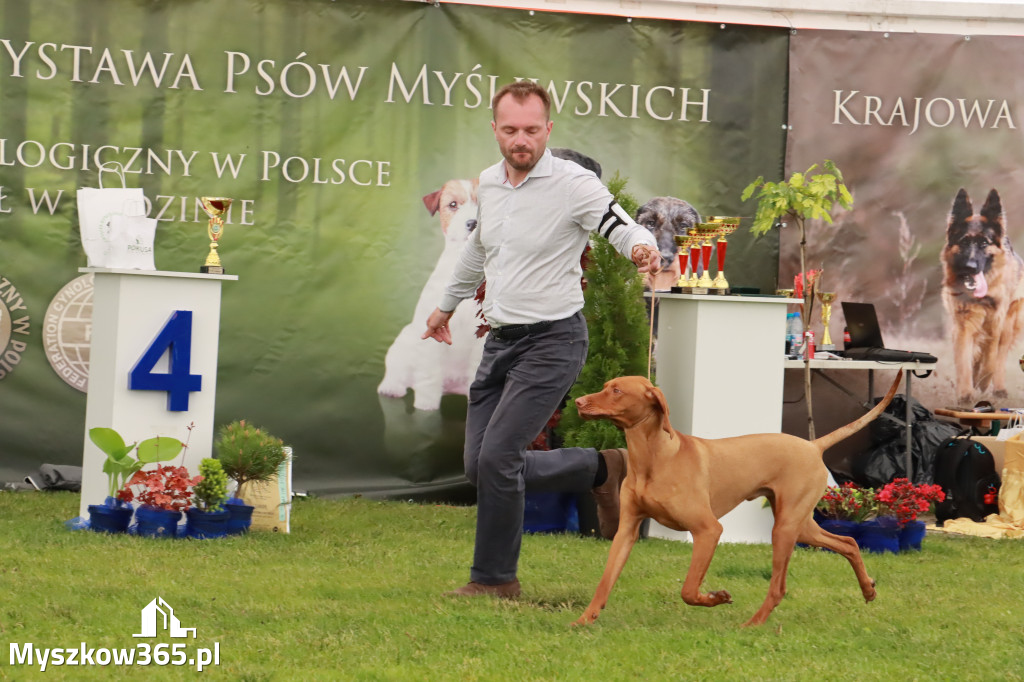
(114, 515)
(842, 509)
(902, 500)
(208, 517)
(163, 493)
(248, 455)
(805, 196)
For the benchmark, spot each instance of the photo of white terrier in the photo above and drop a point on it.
(429, 368)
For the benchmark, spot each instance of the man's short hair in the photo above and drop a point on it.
(521, 91)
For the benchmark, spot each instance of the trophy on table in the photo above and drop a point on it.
(827, 298)
(705, 232)
(215, 207)
(726, 226)
(689, 256)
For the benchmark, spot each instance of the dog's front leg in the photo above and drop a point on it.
(705, 540)
(963, 361)
(622, 544)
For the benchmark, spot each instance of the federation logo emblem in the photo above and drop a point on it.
(67, 332)
(14, 327)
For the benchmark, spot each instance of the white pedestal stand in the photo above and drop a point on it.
(720, 366)
(130, 309)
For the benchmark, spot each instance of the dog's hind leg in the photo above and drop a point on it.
(784, 536)
(625, 537)
(813, 535)
(705, 540)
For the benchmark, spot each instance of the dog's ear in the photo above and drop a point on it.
(433, 202)
(659, 402)
(959, 216)
(992, 212)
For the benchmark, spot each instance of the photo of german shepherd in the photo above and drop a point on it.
(982, 294)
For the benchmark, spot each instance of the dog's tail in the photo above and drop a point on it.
(830, 439)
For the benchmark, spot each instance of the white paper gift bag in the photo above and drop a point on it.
(115, 230)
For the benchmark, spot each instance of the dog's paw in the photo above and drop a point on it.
(587, 618)
(391, 388)
(870, 593)
(719, 597)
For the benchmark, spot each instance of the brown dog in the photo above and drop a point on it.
(688, 483)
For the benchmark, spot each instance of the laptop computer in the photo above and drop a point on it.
(866, 337)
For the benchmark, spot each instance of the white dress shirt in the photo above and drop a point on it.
(529, 240)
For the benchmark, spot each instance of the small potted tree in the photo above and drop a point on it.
(805, 196)
(249, 456)
(208, 517)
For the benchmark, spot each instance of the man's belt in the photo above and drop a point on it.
(511, 332)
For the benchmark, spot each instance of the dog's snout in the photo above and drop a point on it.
(470, 224)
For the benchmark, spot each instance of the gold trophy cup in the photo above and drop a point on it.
(687, 265)
(216, 208)
(705, 232)
(726, 226)
(827, 298)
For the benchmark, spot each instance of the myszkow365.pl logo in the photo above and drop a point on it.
(157, 617)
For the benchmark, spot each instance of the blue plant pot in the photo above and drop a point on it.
(911, 536)
(240, 516)
(550, 513)
(880, 535)
(850, 529)
(113, 516)
(206, 524)
(156, 523)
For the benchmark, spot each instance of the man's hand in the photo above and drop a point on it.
(437, 327)
(647, 258)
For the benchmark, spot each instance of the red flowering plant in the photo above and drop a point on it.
(166, 487)
(904, 500)
(847, 502)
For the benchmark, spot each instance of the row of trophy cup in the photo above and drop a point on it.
(695, 249)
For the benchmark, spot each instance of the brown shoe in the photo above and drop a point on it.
(606, 495)
(508, 590)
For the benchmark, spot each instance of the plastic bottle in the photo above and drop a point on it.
(794, 334)
(809, 345)
(789, 334)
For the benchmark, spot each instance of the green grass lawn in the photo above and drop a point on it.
(354, 593)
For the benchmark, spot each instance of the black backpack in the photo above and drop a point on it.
(966, 471)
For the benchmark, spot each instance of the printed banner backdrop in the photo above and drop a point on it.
(907, 139)
(330, 125)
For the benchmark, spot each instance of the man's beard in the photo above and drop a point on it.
(510, 158)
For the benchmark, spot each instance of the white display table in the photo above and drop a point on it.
(720, 365)
(140, 319)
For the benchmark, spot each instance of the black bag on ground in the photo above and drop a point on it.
(887, 457)
(966, 470)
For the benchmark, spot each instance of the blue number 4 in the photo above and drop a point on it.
(176, 339)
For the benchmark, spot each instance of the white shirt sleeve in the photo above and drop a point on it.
(468, 273)
(600, 213)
